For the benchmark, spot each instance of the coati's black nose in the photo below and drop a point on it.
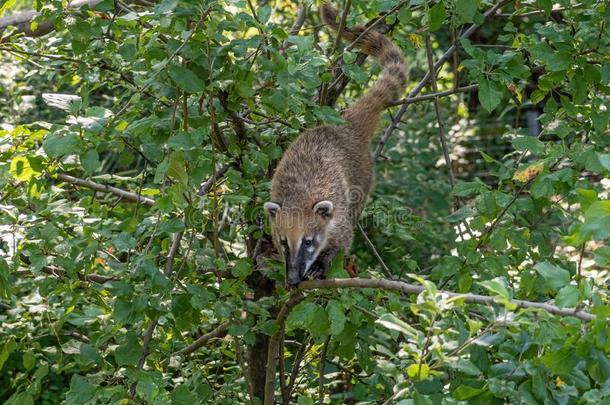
(293, 282)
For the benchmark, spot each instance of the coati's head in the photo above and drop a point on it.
(300, 234)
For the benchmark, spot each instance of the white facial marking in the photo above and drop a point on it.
(311, 249)
(308, 264)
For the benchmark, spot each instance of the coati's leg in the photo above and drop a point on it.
(319, 267)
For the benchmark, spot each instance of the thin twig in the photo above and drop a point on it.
(385, 268)
(244, 368)
(220, 331)
(580, 256)
(296, 367)
(437, 109)
(321, 371)
(125, 195)
(432, 96)
(538, 12)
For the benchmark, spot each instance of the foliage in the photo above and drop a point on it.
(156, 97)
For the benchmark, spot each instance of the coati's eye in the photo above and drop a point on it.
(307, 242)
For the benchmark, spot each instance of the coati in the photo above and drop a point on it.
(321, 184)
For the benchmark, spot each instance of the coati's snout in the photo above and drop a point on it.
(300, 235)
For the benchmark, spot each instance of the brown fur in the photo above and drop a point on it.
(334, 162)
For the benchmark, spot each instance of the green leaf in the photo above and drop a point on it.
(66, 102)
(128, 353)
(437, 16)
(597, 221)
(553, 59)
(560, 361)
(29, 360)
(465, 10)
(464, 392)
(530, 143)
(7, 349)
(461, 214)
(546, 5)
(57, 145)
(329, 115)
(90, 161)
(567, 297)
(21, 168)
(337, 267)
(5, 292)
(554, 276)
(469, 188)
(301, 315)
(418, 371)
(489, 95)
(498, 286)
(6, 5)
(467, 367)
(186, 79)
(176, 169)
(243, 268)
(303, 400)
(404, 15)
(270, 327)
(336, 316)
(80, 391)
(604, 160)
(172, 225)
(392, 322)
(89, 355)
(308, 315)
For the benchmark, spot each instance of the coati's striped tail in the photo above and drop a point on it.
(364, 113)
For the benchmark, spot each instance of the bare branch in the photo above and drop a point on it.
(432, 96)
(437, 109)
(385, 268)
(126, 195)
(416, 289)
(219, 332)
(516, 14)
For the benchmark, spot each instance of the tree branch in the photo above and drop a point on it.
(416, 289)
(321, 371)
(384, 284)
(126, 195)
(298, 24)
(274, 342)
(432, 96)
(220, 331)
(437, 109)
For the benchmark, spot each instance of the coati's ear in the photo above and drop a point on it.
(324, 209)
(272, 208)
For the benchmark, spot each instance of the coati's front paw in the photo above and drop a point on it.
(315, 272)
